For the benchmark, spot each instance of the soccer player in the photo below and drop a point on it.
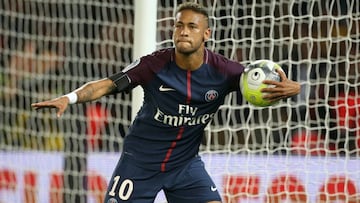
(183, 88)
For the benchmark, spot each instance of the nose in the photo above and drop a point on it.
(184, 31)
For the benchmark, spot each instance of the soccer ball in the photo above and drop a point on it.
(251, 81)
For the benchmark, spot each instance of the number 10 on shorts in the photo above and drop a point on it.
(123, 193)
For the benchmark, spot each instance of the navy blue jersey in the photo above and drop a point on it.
(178, 104)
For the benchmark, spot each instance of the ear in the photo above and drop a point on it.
(207, 34)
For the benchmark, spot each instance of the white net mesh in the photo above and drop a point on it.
(305, 149)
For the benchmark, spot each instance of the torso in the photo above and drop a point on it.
(178, 104)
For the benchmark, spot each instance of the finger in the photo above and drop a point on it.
(270, 89)
(42, 105)
(282, 74)
(35, 105)
(273, 99)
(59, 113)
(271, 82)
(39, 107)
(272, 95)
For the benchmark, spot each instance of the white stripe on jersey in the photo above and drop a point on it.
(131, 65)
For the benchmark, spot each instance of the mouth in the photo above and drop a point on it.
(183, 41)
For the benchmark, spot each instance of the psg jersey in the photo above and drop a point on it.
(178, 104)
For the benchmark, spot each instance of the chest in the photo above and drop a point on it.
(188, 92)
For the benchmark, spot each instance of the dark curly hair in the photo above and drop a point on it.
(197, 8)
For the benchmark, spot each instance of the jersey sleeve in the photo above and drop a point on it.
(234, 72)
(141, 71)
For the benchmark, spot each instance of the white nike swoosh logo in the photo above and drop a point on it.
(165, 89)
(213, 188)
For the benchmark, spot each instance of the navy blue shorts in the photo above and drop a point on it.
(190, 183)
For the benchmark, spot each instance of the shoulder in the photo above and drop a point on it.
(213, 57)
(223, 64)
(161, 55)
(143, 69)
(153, 61)
(157, 59)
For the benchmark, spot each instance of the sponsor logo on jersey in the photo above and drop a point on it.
(211, 95)
(187, 116)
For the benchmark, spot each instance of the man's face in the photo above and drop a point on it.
(190, 31)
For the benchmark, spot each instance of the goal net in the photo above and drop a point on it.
(303, 149)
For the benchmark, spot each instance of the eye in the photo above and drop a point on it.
(192, 26)
(178, 25)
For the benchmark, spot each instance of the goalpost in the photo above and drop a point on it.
(145, 41)
(304, 149)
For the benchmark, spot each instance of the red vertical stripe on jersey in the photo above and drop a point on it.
(188, 86)
(181, 130)
(173, 145)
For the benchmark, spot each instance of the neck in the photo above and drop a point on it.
(191, 61)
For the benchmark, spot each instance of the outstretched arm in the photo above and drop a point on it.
(281, 90)
(88, 92)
